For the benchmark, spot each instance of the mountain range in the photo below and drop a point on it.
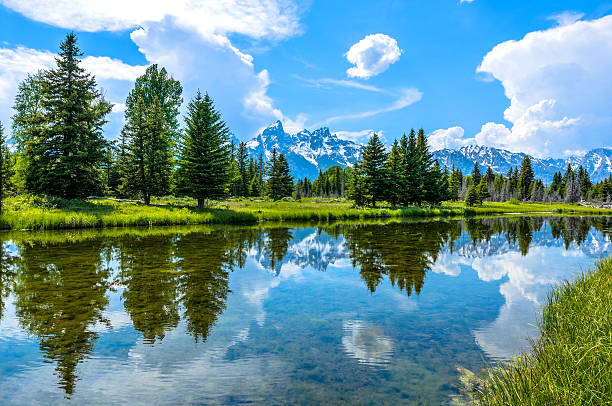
(308, 152)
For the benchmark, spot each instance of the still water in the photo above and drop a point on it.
(344, 313)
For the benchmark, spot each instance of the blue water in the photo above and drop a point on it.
(338, 314)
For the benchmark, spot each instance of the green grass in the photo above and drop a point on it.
(526, 207)
(36, 213)
(571, 363)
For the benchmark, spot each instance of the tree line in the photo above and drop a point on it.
(60, 149)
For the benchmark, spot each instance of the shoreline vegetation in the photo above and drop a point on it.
(570, 363)
(37, 213)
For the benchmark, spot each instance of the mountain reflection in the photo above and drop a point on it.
(61, 290)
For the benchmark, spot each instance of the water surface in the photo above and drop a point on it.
(344, 313)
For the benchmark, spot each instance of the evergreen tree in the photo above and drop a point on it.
(431, 177)
(472, 197)
(393, 173)
(454, 184)
(585, 182)
(357, 187)
(569, 172)
(204, 157)
(526, 178)
(280, 181)
(241, 160)
(489, 176)
(64, 155)
(6, 168)
(572, 189)
(374, 157)
(412, 179)
(29, 112)
(483, 191)
(254, 187)
(476, 175)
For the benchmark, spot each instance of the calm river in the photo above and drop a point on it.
(336, 314)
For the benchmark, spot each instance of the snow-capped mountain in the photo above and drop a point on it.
(306, 151)
(597, 162)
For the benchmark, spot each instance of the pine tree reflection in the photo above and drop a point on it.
(59, 298)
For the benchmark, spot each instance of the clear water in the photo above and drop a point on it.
(338, 314)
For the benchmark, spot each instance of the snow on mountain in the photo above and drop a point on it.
(307, 152)
(597, 162)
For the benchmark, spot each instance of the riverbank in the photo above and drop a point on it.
(570, 363)
(34, 213)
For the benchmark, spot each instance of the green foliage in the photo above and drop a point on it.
(570, 362)
(526, 177)
(156, 83)
(63, 136)
(374, 157)
(476, 175)
(483, 191)
(29, 114)
(146, 152)
(514, 201)
(6, 167)
(280, 181)
(357, 187)
(473, 196)
(204, 160)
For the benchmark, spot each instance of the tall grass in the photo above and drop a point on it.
(571, 363)
(36, 213)
(514, 206)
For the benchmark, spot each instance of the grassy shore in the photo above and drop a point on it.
(35, 213)
(571, 363)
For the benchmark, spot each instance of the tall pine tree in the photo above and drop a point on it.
(204, 157)
(374, 157)
(280, 181)
(525, 179)
(64, 158)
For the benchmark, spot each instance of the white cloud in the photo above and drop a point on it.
(356, 136)
(275, 19)
(118, 107)
(406, 97)
(16, 63)
(559, 85)
(451, 138)
(372, 55)
(167, 33)
(466, 1)
(566, 17)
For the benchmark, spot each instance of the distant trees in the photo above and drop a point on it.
(204, 157)
(59, 119)
(526, 178)
(406, 175)
(280, 181)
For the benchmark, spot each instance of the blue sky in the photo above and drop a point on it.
(531, 76)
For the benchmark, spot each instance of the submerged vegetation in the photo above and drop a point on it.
(570, 363)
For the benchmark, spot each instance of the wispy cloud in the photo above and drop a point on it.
(566, 17)
(328, 82)
(406, 97)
